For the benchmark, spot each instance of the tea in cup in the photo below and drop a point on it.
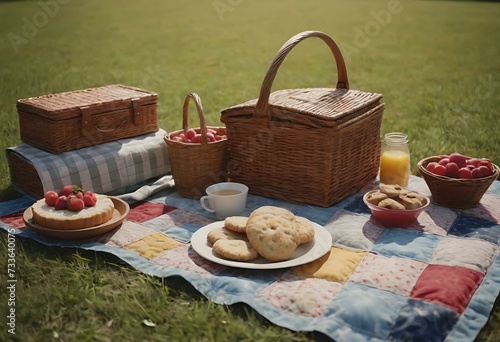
(225, 199)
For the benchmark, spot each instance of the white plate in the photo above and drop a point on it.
(304, 253)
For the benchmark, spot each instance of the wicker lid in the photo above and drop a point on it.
(310, 106)
(330, 105)
(67, 105)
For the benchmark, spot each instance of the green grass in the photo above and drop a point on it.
(436, 63)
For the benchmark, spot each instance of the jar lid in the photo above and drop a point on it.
(396, 138)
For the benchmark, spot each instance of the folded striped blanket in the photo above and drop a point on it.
(109, 168)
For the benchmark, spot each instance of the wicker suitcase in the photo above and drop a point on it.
(315, 146)
(71, 120)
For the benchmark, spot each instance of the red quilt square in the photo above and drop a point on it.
(14, 220)
(447, 285)
(145, 211)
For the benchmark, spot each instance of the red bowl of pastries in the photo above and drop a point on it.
(398, 209)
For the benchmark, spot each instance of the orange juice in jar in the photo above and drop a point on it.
(395, 159)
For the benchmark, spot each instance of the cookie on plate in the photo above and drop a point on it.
(269, 209)
(238, 250)
(305, 228)
(224, 233)
(273, 232)
(236, 223)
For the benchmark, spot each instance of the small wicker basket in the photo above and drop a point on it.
(196, 166)
(453, 192)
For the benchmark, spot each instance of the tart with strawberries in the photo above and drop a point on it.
(72, 208)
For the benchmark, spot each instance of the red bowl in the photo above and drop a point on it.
(394, 218)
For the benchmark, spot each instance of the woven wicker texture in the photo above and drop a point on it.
(314, 145)
(82, 118)
(22, 172)
(452, 192)
(196, 166)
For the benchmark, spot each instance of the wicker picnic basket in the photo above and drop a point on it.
(315, 145)
(71, 120)
(195, 166)
(453, 192)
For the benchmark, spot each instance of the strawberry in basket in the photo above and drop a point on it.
(193, 136)
(456, 165)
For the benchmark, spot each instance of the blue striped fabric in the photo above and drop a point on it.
(104, 168)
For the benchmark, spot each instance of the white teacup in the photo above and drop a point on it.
(225, 199)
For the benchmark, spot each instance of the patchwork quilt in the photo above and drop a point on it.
(434, 281)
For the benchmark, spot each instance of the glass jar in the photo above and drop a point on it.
(395, 159)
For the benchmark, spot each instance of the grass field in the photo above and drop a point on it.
(435, 62)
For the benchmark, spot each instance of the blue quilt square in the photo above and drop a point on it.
(403, 243)
(233, 284)
(423, 321)
(468, 226)
(358, 206)
(181, 233)
(356, 304)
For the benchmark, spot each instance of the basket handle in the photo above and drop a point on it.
(185, 117)
(261, 108)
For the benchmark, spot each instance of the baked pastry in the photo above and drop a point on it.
(49, 217)
(273, 232)
(239, 250)
(390, 203)
(376, 197)
(392, 190)
(412, 200)
(393, 196)
(236, 223)
(306, 229)
(224, 233)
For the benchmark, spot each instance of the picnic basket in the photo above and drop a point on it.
(71, 120)
(455, 192)
(195, 166)
(313, 145)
